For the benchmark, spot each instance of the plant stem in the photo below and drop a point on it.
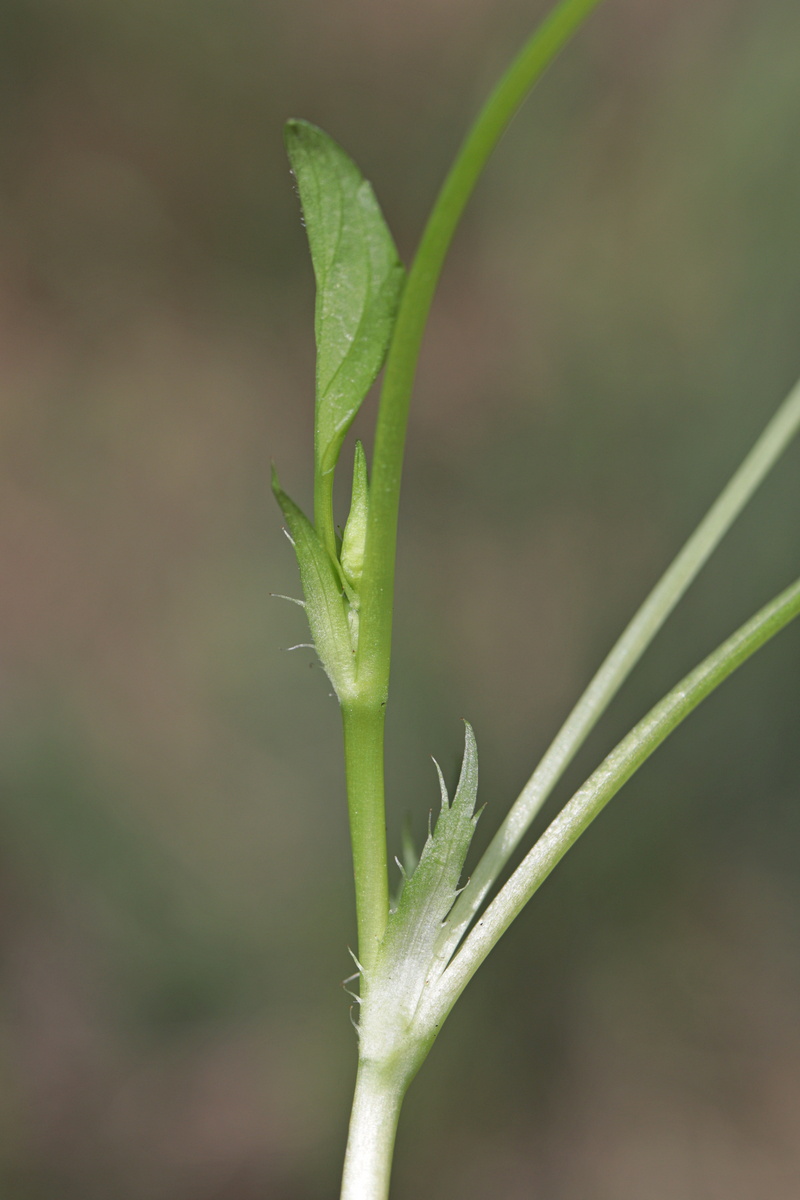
(377, 1100)
(601, 786)
(615, 669)
(376, 606)
(373, 1126)
(363, 750)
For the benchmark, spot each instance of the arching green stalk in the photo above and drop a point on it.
(387, 461)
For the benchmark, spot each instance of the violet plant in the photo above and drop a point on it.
(415, 958)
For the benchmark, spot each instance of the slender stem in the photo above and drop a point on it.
(601, 786)
(378, 1097)
(363, 751)
(362, 724)
(373, 1126)
(623, 657)
(376, 610)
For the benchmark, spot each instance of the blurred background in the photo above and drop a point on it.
(617, 322)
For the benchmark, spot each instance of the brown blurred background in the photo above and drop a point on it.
(618, 320)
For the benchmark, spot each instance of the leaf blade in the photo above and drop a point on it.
(359, 280)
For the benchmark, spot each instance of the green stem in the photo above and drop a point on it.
(363, 722)
(601, 786)
(618, 664)
(376, 609)
(363, 750)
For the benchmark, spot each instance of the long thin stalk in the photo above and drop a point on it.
(378, 587)
(601, 786)
(615, 669)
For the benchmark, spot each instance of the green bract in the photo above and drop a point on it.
(407, 960)
(429, 893)
(325, 605)
(359, 279)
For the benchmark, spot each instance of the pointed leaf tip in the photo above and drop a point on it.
(430, 892)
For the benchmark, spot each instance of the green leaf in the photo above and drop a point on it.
(325, 605)
(359, 280)
(407, 951)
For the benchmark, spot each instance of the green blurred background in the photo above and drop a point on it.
(618, 320)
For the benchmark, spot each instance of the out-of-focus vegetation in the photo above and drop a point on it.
(618, 320)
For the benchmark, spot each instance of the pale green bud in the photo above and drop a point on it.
(354, 538)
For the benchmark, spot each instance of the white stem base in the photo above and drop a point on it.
(373, 1124)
